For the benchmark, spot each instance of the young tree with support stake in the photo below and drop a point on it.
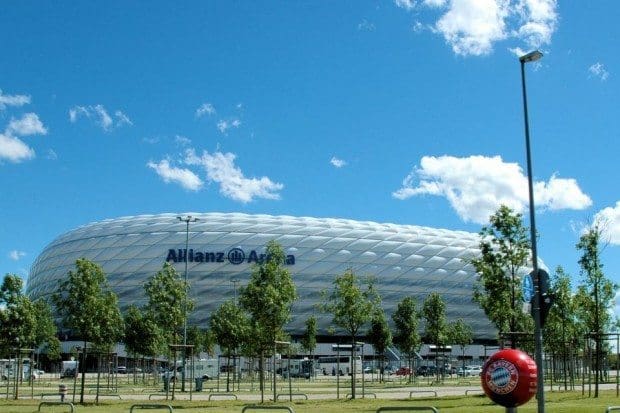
(406, 337)
(268, 298)
(143, 336)
(595, 295)
(351, 306)
(461, 334)
(436, 332)
(380, 336)
(562, 331)
(504, 253)
(230, 328)
(89, 307)
(308, 340)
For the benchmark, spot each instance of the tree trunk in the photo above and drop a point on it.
(83, 374)
(353, 363)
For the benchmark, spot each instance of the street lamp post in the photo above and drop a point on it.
(540, 391)
(234, 282)
(187, 219)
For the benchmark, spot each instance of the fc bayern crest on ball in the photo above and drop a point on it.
(509, 377)
(502, 377)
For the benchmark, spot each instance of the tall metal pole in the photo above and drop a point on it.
(234, 282)
(187, 220)
(540, 382)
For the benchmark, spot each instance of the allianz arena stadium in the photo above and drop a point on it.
(405, 260)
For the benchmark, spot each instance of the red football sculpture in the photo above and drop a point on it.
(509, 378)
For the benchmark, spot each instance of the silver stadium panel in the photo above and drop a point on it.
(404, 260)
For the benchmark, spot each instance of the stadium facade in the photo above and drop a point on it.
(404, 260)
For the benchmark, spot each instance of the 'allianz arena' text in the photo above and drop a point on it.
(405, 260)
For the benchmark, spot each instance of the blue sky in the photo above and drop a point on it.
(391, 111)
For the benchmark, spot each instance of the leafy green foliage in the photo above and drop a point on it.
(18, 321)
(269, 295)
(406, 320)
(88, 306)
(351, 306)
(595, 294)
(505, 249)
(461, 334)
(379, 334)
(268, 298)
(436, 330)
(168, 302)
(308, 340)
(230, 327)
(24, 323)
(143, 336)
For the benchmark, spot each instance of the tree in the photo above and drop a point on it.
(45, 330)
(18, 327)
(308, 340)
(24, 324)
(380, 335)
(406, 337)
(168, 302)
(351, 306)
(599, 293)
(462, 335)
(268, 298)
(18, 322)
(436, 331)
(142, 334)
(561, 328)
(504, 251)
(229, 325)
(89, 307)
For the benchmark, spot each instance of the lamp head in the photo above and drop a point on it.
(188, 218)
(531, 57)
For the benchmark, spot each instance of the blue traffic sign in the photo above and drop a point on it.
(527, 287)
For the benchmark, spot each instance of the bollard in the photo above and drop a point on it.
(62, 391)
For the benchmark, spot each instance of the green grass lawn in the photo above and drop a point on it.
(567, 402)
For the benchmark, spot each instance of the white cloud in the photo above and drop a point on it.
(76, 112)
(13, 100)
(151, 141)
(405, 4)
(184, 177)
(608, 219)
(122, 119)
(51, 155)
(476, 186)
(100, 116)
(473, 27)
(182, 140)
(435, 3)
(538, 20)
(598, 70)
(366, 26)
(338, 163)
(220, 168)
(14, 149)
(224, 125)
(205, 109)
(29, 124)
(560, 193)
(105, 121)
(417, 27)
(16, 255)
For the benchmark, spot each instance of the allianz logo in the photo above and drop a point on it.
(234, 256)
